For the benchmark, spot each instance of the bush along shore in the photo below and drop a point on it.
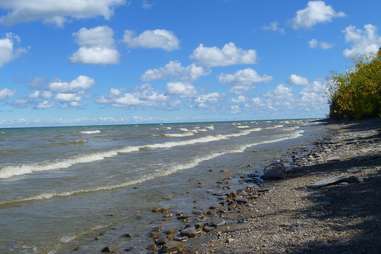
(357, 93)
(322, 199)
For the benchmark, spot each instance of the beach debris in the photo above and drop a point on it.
(335, 180)
(275, 170)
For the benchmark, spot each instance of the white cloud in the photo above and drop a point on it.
(8, 50)
(243, 79)
(314, 43)
(144, 96)
(316, 12)
(68, 97)
(313, 97)
(204, 100)
(158, 38)
(56, 12)
(6, 93)
(79, 84)
(239, 99)
(96, 46)
(274, 27)
(235, 109)
(41, 94)
(174, 70)
(181, 88)
(364, 42)
(229, 54)
(298, 80)
(44, 105)
(315, 94)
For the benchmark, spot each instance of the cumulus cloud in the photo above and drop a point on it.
(6, 93)
(174, 70)
(158, 38)
(311, 98)
(243, 79)
(364, 42)
(143, 96)
(314, 43)
(81, 83)
(274, 27)
(205, 100)
(97, 46)
(316, 12)
(239, 99)
(56, 12)
(181, 89)
(8, 49)
(63, 93)
(229, 54)
(316, 94)
(298, 80)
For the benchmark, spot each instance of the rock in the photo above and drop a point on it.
(208, 228)
(182, 216)
(127, 235)
(173, 246)
(335, 180)
(216, 222)
(189, 232)
(241, 200)
(161, 240)
(180, 238)
(106, 250)
(128, 249)
(229, 240)
(274, 171)
(152, 247)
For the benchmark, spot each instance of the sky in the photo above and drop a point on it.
(78, 62)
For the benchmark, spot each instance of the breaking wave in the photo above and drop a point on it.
(23, 169)
(170, 170)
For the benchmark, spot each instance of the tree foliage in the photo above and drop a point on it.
(357, 93)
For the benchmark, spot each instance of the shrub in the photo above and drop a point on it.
(357, 93)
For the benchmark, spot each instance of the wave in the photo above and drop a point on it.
(243, 126)
(171, 170)
(91, 132)
(178, 135)
(210, 127)
(17, 170)
(274, 127)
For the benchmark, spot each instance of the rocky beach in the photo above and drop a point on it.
(322, 199)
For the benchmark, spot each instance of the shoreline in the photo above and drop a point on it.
(308, 212)
(288, 215)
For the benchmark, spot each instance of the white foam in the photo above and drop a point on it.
(179, 135)
(274, 127)
(210, 127)
(171, 170)
(184, 129)
(91, 132)
(243, 126)
(23, 169)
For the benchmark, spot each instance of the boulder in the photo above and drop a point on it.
(274, 171)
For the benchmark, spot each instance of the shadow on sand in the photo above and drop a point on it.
(352, 208)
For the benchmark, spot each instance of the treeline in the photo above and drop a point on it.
(357, 93)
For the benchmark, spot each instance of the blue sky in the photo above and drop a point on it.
(135, 61)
